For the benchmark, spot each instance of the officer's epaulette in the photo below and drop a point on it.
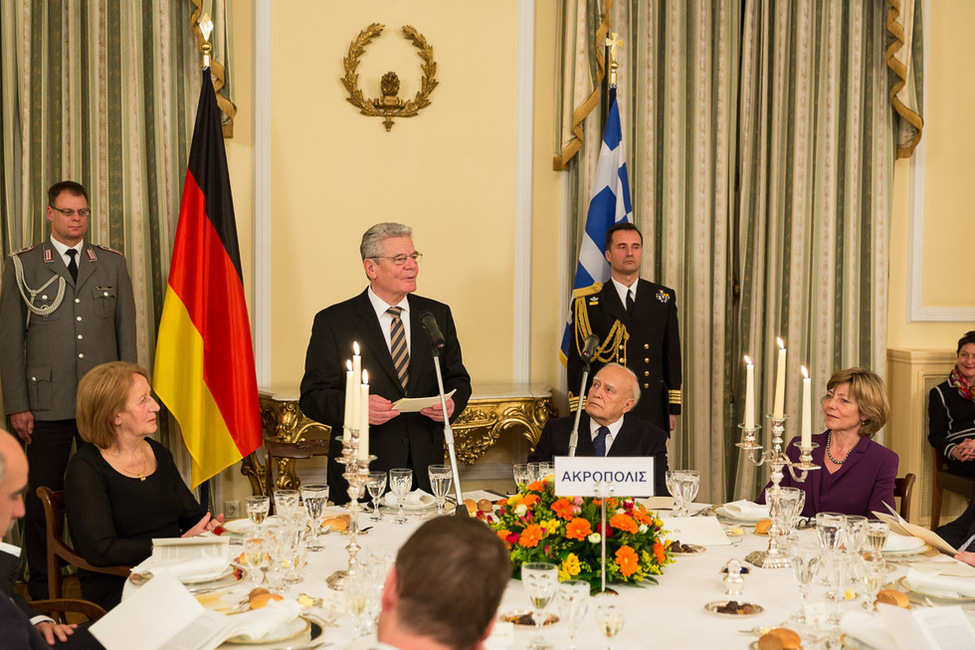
(106, 248)
(24, 250)
(581, 292)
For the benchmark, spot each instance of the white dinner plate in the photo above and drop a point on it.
(426, 502)
(937, 594)
(289, 630)
(903, 544)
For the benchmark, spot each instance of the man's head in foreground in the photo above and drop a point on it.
(13, 480)
(446, 586)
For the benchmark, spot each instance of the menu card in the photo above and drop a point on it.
(902, 527)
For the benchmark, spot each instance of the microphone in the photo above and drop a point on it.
(589, 349)
(433, 331)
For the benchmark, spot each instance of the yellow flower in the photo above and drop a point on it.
(552, 525)
(570, 567)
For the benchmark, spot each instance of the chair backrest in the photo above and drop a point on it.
(286, 452)
(58, 551)
(903, 488)
(56, 608)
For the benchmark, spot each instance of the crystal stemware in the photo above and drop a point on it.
(804, 555)
(521, 475)
(440, 480)
(573, 603)
(686, 483)
(535, 472)
(789, 505)
(257, 509)
(609, 615)
(400, 482)
(286, 504)
(254, 556)
(830, 527)
(315, 496)
(376, 484)
(871, 570)
(877, 532)
(541, 581)
(856, 529)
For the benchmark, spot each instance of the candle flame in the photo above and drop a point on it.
(748, 360)
(348, 364)
(805, 373)
(778, 339)
(365, 376)
(355, 348)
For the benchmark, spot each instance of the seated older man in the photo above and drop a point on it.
(445, 588)
(605, 429)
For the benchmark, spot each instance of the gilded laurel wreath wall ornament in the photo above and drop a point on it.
(389, 105)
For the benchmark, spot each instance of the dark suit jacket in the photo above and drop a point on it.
(652, 350)
(864, 483)
(16, 630)
(635, 438)
(9, 568)
(957, 532)
(407, 437)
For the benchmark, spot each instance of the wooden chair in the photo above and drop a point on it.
(945, 480)
(58, 551)
(59, 608)
(903, 488)
(282, 454)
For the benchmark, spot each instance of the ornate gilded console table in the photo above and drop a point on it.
(494, 412)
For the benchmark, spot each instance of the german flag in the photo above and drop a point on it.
(204, 370)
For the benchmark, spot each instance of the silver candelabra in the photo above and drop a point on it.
(356, 473)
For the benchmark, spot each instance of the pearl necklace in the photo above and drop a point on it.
(829, 437)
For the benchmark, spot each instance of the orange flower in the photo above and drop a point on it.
(641, 516)
(624, 522)
(529, 500)
(627, 561)
(562, 508)
(578, 529)
(503, 534)
(659, 552)
(538, 486)
(530, 536)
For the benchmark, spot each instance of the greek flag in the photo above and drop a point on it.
(605, 209)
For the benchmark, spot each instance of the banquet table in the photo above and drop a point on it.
(670, 614)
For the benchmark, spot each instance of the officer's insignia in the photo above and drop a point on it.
(593, 300)
(663, 296)
(107, 249)
(24, 250)
(48, 255)
(91, 255)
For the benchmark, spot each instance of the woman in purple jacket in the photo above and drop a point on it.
(856, 475)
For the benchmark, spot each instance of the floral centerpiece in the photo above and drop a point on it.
(537, 526)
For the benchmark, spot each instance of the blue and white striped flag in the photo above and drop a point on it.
(609, 205)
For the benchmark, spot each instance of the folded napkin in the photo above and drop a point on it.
(867, 628)
(258, 623)
(747, 509)
(897, 543)
(938, 583)
(414, 498)
(200, 568)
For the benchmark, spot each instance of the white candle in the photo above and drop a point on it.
(806, 408)
(364, 417)
(356, 380)
(778, 405)
(350, 388)
(749, 394)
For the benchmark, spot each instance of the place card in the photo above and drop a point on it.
(630, 476)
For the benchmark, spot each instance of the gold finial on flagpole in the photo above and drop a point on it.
(206, 26)
(613, 42)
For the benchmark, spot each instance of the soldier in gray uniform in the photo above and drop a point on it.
(65, 307)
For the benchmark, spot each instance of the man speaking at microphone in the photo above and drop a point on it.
(605, 429)
(385, 320)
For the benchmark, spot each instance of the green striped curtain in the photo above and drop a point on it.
(103, 92)
(760, 139)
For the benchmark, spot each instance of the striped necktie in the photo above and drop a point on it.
(397, 346)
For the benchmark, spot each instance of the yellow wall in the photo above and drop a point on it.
(949, 139)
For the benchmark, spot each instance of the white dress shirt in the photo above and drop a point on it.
(62, 250)
(614, 428)
(621, 289)
(386, 319)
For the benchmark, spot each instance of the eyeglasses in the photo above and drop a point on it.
(83, 213)
(400, 260)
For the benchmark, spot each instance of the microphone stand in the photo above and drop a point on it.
(448, 435)
(574, 436)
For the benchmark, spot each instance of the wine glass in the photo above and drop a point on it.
(877, 532)
(314, 496)
(257, 509)
(440, 480)
(573, 603)
(686, 483)
(376, 484)
(856, 529)
(785, 515)
(400, 482)
(830, 527)
(521, 474)
(871, 570)
(286, 504)
(254, 555)
(804, 556)
(544, 469)
(609, 615)
(534, 472)
(541, 580)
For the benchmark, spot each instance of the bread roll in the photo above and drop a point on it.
(261, 600)
(762, 526)
(893, 597)
(338, 523)
(471, 506)
(780, 638)
(484, 505)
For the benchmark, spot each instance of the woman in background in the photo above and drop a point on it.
(951, 412)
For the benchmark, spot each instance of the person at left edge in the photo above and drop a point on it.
(66, 306)
(413, 440)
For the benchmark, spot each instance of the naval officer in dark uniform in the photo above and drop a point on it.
(65, 307)
(636, 322)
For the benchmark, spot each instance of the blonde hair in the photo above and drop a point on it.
(102, 394)
(868, 389)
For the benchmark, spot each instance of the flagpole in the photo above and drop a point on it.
(206, 27)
